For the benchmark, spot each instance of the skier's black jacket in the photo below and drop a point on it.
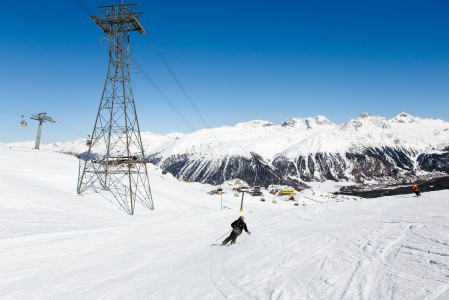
(238, 226)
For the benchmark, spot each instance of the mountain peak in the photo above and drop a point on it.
(367, 121)
(404, 117)
(254, 124)
(365, 115)
(290, 122)
(322, 120)
(308, 122)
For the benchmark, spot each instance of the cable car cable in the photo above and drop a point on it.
(137, 65)
(175, 78)
(68, 130)
(147, 76)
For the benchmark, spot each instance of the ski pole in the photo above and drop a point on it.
(223, 235)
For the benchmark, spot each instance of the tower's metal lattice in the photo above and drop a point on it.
(115, 160)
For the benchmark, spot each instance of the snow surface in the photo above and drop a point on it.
(55, 244)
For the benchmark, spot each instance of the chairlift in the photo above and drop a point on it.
(88, 141)
(23, 123)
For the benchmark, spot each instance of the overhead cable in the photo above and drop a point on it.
(68, 129)
(72, 129)
(176, 79)
(137, 65)
(9, 112)
(86, 9)
(181, 87)
(147, 76)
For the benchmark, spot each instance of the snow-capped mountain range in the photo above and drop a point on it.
(367, 148)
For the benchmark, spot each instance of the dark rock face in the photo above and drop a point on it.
(435, 162)
(379, 163)
(253, 170)
(372, 163)
(320, 166)
(173, 164)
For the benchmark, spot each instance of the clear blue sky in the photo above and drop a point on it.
(239, 61)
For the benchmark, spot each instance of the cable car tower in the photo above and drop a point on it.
(42, 118)
(115, 160)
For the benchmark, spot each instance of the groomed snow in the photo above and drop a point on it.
(55, 244)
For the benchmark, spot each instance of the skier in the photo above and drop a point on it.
(237, 227)
(416, 190)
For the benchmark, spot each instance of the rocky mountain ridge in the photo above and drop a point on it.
(299, 150)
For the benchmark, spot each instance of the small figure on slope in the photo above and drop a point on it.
(416, 190)
(237, 227)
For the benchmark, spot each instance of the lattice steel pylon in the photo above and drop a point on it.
(115, 160)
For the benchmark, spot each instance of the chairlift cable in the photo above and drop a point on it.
(72, 128)
(9, 113)
(12, 112)
(16, 113)
(69, 130)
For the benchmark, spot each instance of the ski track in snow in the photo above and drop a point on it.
(57, 245)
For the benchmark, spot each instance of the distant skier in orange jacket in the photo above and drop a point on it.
(416, 190)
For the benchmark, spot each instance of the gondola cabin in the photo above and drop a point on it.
(23, 123)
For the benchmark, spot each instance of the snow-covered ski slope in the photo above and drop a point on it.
(55, 244)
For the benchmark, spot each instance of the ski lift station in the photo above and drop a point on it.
(281, 190)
